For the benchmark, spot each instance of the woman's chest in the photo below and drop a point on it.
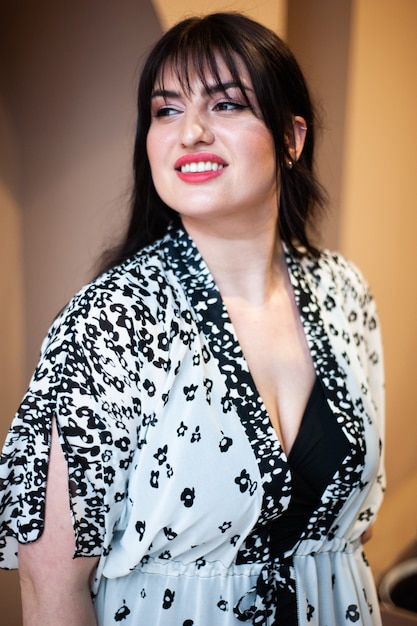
(275, 348)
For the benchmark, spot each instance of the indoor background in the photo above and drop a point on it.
(68, 74)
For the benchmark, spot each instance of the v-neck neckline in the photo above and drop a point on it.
(214, 321)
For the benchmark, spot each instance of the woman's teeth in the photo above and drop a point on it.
(201, 166)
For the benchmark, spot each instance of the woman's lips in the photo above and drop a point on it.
(199, 167)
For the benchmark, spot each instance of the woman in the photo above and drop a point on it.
(213, 400)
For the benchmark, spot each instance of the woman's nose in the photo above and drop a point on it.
(195, 129)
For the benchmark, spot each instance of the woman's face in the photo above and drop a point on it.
(211, 155)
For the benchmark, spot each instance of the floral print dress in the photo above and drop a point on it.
(176, 476)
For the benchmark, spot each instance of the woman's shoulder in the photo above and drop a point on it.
(129, 290)
(139, 270)
(332, 270)
(134, 278)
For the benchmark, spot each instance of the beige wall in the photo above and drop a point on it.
(11, 273)
(314, 29)
(70, 82)
(68, 74)
(11, 317)
(272, 13)
(379, 221)
(378, 231)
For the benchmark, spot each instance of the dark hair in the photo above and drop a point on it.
(191, 46)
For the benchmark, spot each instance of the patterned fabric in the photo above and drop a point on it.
(176, 474)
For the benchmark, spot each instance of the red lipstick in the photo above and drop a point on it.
(199, 167)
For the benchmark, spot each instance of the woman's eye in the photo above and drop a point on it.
(229, 105)
(165, 111)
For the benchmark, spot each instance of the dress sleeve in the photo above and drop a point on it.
(83, 382)
(374, 365)
(362, 316)
(350, 315)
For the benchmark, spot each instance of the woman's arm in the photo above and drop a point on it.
(55, 586)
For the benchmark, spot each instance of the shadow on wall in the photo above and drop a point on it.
(69, 82)
(11, 325)
(68, 74)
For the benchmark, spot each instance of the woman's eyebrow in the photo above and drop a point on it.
(222, 87)
(164, 93)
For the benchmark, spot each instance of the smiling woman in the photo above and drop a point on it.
(201, 442)
(224, 118)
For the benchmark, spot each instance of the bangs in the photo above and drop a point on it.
(196, 56)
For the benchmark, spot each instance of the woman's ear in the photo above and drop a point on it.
(297, 139)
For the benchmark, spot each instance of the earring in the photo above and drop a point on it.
(290, 164)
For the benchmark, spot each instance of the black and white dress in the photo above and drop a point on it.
(176, 476)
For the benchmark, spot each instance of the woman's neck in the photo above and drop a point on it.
(246, 265)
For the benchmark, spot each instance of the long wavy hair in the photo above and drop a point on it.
(190, 48)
